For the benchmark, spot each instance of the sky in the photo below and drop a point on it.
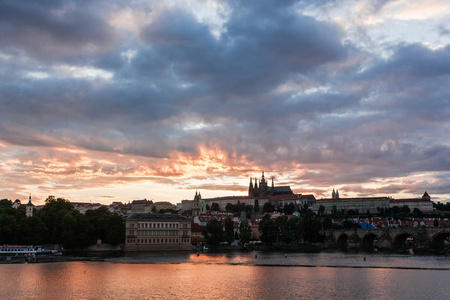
(109, 100)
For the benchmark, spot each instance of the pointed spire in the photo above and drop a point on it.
(250, 188)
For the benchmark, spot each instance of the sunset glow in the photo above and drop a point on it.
(108, 101)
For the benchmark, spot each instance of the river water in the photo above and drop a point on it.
(233, 276)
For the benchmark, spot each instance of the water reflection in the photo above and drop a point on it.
(229, 276)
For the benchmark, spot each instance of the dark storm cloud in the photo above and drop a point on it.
(277, 87)
(52, 29)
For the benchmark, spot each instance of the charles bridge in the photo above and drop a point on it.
(388, 238)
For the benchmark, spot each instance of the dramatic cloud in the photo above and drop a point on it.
(111, 100)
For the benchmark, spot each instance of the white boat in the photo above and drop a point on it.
(23, 250)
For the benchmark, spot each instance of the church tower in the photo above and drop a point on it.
(262, 186)
(29, 208)
(250, 189)
(196, 205)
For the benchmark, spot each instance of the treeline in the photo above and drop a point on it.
(296, 229)
(216, 232)
(305, 229)
(58, 222)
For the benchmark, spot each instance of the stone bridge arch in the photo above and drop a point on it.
(399, 242)
(342, 241)
(369, 241)
(437, 241)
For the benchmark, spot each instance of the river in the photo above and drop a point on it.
(232, 276)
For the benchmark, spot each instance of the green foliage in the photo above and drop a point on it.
(321, 210)
(85, 231)
(8, 228)
(236, 208)
(347, 224)
(327, 223)
(59, 223)
(5, 203)
(215, 206)
(229, 230)
(289, 208)
(287, 229)
(116, 230)
(268, 230)
(213, 232)
(405, 209)
(68, 231)
(268, 207)
(32, 231)
(310, 228)
(245, 232)
(442, 207)
(52, 214)
(108, 227)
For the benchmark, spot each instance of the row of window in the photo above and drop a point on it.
(157, 225)
(156, 241)
(157, 233)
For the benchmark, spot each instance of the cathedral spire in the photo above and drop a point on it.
(250, 188)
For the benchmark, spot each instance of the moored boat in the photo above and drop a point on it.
(26, 250)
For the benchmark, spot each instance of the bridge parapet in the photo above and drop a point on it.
(387, 238)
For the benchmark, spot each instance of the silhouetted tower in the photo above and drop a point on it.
(250, 188)
(262, 186)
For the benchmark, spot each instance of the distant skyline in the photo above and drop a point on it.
(104, 101)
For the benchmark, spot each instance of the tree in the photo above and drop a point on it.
(5, 203)
(268, 230)
(52, 214)
(268, 207)
(68, 231)
(347, 224)
(417, 212)
(213, 232)
(310, 228)
(215, 206)
(289, 208)
(321, 210)
(115, 233)
(395, 210)
(230, 207)
(327, 223)
(8, 229)
(85, 233)
(245, 232)
(32, 231)
(229, 230)
(405, 209)
(108, 227)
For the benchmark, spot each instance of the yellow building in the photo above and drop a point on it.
(157, 232)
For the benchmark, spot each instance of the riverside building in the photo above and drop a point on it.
(157, 232)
